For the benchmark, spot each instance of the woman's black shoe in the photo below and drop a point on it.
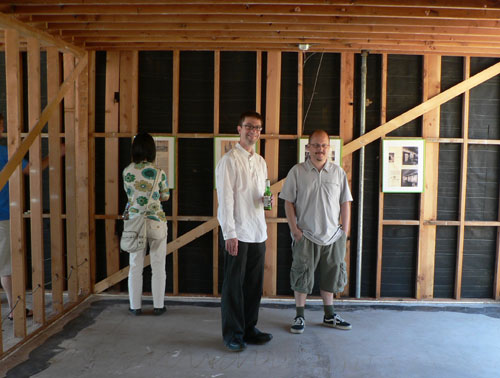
(136, 312)
(159, 311)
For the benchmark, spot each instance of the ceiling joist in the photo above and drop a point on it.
(451, 27)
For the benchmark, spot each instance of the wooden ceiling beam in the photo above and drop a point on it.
(256, 19)
(391, 49)
(299, 31)
(231, 9)
(297, 36)
(8, 22)
(462, 4)
(441, 30)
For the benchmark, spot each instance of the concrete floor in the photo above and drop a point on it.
(387, 340)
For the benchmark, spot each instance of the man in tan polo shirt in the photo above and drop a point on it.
(316, 195)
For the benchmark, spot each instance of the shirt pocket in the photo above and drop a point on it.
(332, 189)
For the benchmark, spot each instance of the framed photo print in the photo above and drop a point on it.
(403, 165)
(335, 150)
(165, 157)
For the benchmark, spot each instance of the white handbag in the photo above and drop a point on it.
(134, 236)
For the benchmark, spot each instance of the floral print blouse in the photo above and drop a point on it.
(138, 180)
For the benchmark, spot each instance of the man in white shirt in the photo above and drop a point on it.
(316, 195)
(240, 181)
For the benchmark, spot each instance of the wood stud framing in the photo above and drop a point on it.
(112, 122)
(55, 183)
(69, 142)
(12, 172)
(428, 199)
(118, 27)
(14, 127)
(36, 221)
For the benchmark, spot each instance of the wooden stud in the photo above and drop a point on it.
(380, 233)
(463, 184)
(428, 199)
(175, 197)
(82, 182)
(55, 182)
(300, 92)
(69, 140)
(36, 208)
(215, 233)
(272, 126)
(91, 69)
(347, 127)
(16, 190)
(113, 97)
(258, 83)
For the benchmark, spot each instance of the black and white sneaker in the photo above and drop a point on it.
(298, 325)
(335, 321)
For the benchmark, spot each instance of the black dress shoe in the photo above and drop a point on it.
(135, 312)
(236, 345)
(159, 311)
(257, 337)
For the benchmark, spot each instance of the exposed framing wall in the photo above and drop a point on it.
(426, 222)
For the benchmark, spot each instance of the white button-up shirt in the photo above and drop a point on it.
(240, 180)
(317, 196)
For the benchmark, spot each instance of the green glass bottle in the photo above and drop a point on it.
(268, 203)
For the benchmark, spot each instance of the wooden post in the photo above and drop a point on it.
(272, 126)
(55, 182)
(380, 233)
(82, 183)
(215, 233)
(91, 69)
(428, 199)
(258, 83)
(69, 140)
(16, 190)
(112, 107)
(463, 184)
(36, 208)
(347, 126)
(128, 91)
(175, 197)
(300, 92)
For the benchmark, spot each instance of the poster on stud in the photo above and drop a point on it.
(403, 165)
(165, 157)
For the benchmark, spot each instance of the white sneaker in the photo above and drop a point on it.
(335, 321)
(298, 325)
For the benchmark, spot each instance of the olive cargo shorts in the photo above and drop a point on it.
(332, 267)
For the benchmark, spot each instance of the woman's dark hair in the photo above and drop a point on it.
(143, 148)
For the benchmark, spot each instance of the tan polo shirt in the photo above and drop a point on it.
(317, 196)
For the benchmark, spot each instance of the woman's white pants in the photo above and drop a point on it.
(157, 253)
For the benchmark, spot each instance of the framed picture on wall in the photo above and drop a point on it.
(335, 150)
(165, 157)
(403, 165)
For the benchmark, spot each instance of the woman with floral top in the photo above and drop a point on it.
(138, 180)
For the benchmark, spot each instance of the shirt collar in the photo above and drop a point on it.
(311, 166)
(243, 151)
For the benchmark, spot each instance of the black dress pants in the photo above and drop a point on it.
(242, 289)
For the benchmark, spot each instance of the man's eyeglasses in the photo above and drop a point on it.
(252, 127)
(317, 145)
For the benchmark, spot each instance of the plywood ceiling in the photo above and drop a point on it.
(450, 27)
